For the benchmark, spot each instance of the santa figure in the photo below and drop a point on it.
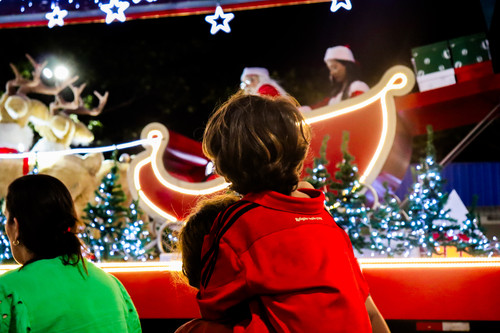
(256, 81)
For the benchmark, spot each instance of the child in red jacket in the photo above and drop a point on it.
(279, 256)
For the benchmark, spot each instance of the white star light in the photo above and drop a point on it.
(56, 17)
(342, 3)
(115, 10)
(219, 14)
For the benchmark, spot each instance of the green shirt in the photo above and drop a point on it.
(48, 296)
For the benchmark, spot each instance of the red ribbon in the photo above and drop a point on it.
(26, 166)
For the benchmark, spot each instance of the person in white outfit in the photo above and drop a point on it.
(344, 75)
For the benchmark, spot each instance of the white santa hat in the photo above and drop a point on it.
(339, 53)
(262, 72)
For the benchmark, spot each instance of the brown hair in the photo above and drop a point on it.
(258, 143)
(198, 224)
(352, 73)
(46, 216)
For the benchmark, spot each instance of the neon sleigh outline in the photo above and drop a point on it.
(397, 81)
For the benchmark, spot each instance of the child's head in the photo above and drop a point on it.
(198, 224)
(258, 143)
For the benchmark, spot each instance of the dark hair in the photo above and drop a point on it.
(198, 224)
(46, 216)
(258, 143)
(352, 73)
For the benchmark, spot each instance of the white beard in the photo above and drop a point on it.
(16, 137)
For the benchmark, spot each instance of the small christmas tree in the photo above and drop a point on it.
(430, 223)
(135, 235)
(348, 203)
(318, 176)
(471, 237)
(113, 231)
(5, 253)
(391, 232)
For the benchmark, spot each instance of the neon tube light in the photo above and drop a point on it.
(431, 263)
(58, 153)
(397, 81)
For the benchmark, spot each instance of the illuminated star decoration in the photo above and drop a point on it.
(342, 3)
(56, 17)
(115, 10)
(215, 20)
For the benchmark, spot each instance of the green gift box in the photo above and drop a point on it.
(469, 50)
(431, 58)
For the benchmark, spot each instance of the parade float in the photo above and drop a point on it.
(433, 268)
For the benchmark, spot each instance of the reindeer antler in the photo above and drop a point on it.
(77, 106)
(22, 86)
(25, 86)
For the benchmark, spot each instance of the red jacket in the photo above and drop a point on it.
(285, 259)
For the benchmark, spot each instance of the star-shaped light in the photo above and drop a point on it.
(342, 3)
(214, 20)
(56, 17)
(115, 10)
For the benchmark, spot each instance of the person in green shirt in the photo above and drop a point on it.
(56, 289)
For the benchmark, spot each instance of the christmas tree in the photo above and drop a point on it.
(391, 233)
(318, 175)
(348, 203)
(471, 237)
(114, 231)
(135, 237)
(5, 253)
(430, 223)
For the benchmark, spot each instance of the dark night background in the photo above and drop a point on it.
(172, 70)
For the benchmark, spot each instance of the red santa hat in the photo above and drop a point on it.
(254, 71)
(339, 53)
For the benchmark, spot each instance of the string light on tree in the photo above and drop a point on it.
(115, 10)
(135, 237)
(318, 175)
(471, 238)
(56, 17)
(349, 203)
(215, 20)
(390, 231)
(114, 231)
(429, 220)
(337, 4)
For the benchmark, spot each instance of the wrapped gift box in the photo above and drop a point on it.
(436, 80)
(433, 66)
(469, 50)
(431, 58)
(471, 57)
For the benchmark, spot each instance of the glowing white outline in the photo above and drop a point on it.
(336, 6)
(176, 265)
(380, 91)
(428, 262)
(219, 13)
(73, 151)
(157, 134)
(56, 12)
(110, 16)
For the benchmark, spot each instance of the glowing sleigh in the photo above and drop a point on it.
(378, 141)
